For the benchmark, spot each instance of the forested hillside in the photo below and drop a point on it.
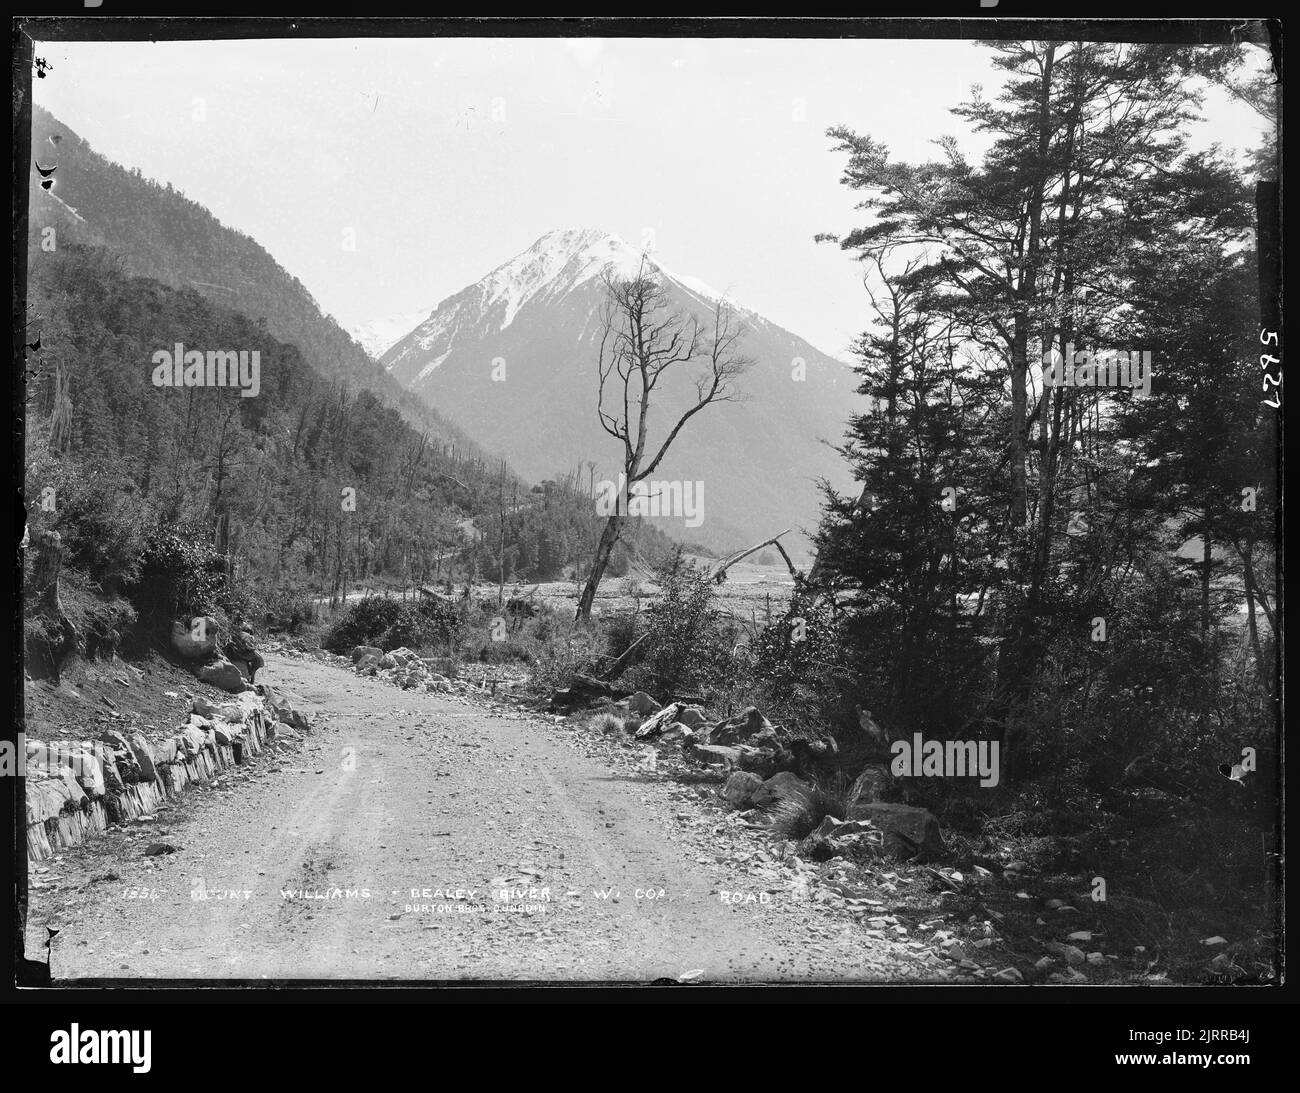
(309, 486)
(158, 232)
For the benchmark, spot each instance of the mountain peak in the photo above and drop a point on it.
(556, 263)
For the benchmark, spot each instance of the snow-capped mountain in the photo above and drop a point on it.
(513, 360)
(377, 336)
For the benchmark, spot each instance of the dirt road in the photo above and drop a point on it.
(381, 848)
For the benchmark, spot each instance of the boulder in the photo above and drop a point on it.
(108, 766)
(653, 726)
(642, 704)
(191, 739)
(221, 673)
(166, 751)
(202, 707)
(359, 651)
(242, 709)
(783, 786)
(190, 647)
(240, 649)
(739, 789)
(285, 706)
(909, 832)
(79, 759)
(869, 786)
(368, 665)
(46, 798)
(747, 727)
(387, 661)
(692, 717)
(49, 794)
(124, 759)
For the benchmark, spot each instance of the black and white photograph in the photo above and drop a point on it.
(575, 506)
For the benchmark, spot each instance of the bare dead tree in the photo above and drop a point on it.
(644, 338)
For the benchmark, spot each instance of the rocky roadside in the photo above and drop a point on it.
(75, 789)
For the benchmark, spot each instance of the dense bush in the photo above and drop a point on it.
(96, 513)
(288, 609)
(180, 573)
(690, 643)
(391, 624)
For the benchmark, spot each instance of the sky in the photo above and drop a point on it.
(388, 174)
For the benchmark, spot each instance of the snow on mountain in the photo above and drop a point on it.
(377, 336)
(512, 358)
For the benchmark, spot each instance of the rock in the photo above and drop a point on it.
(240, 649)
(1096, 958)
(908, 831)
(783, 786)
(756, 761)
(79, 759)
(359, 651)
(154, 849)
(642, 704)
(108, 766)
(284, 706)
(1008, 975)
(583, 691)
(692, 717)
(1071, 954)
(387, 661)
(739, 789)
(827, 829)
(47, 797)
(1044, 962)
(143, 753)
(1070, 975)
(815, 848)
(368, 665)
(167, 751)
(123, 757)
(191, 740)
(747, 727)
(869, 786)
(190, 647)
(224, 735)
(221, 673)
(652, 726)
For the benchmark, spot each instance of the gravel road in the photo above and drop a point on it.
(381, 846)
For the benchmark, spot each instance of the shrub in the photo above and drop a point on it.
(362, 623)
(391, 624)
(289, 609)
(98, 516)
(180, 573)
(689, 642)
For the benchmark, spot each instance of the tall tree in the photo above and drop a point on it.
(644, 340)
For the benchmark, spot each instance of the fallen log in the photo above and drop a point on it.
(720, 574)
